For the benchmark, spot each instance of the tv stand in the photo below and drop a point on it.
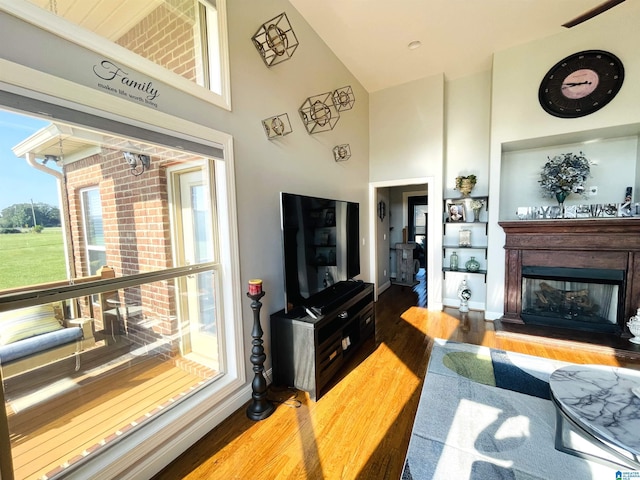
(308, 352)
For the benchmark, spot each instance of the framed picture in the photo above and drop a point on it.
(624, 209)
(464, 239)
(571, 211)
(583, 211)
(455, 212)
(329, 217)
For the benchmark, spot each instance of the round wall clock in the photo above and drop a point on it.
(581, 84)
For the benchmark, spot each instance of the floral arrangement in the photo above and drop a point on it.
(565, 174)
(477, 204)
(471, 178)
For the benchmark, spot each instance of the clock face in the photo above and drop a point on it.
(581, 84)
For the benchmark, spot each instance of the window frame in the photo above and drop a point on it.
(88, 248)
(67, 30)
(144, 453)
(208, 169)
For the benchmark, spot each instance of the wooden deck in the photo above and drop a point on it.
(56, 419)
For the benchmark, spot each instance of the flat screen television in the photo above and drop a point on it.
(321, 251)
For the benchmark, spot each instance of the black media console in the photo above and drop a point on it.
(309, 349)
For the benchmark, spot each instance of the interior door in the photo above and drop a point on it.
(197, 245)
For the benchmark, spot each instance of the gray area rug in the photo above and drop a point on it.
(466, 427)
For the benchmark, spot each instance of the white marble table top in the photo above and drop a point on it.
(600, 399)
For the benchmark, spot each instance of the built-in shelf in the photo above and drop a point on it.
(464, 270)
(469, 224)
(458, 247)
(481, 229)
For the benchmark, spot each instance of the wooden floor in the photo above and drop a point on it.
(92, 407)
(359, 429)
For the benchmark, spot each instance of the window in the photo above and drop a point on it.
(158, 343)
(93, 230)
(417, 224)
(184, 37)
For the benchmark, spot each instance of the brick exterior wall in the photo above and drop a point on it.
(135, 212)
(135, 209)
(166, 37)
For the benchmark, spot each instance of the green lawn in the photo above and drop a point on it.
(29, 258)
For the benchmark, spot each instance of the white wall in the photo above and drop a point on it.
(406, 126)
(518, 121)
(406, 130)
(299, 162)
(613, 170)
(467, 128)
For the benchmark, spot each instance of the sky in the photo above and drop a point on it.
(19, 182)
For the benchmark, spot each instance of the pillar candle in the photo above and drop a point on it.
(255, 287)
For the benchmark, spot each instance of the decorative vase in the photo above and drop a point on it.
(634, 327)
(464, 294)
(476, 214)
(453, 261)
(561, 196)
(466, 186)
(472, 265)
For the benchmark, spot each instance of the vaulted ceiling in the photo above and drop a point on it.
(458, 37)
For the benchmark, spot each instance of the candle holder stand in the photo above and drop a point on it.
(260, 408)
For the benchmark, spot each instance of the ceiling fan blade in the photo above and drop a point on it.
(603, 7)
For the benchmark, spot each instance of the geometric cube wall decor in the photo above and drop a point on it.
(275, 40)
(318, 113)
(342, 153)
(343, 98)
(277, 126)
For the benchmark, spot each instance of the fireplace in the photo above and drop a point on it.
(572, 275)
(587, 299)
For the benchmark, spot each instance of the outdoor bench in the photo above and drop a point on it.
(32, 337)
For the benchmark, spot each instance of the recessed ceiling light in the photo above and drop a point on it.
(415, 44)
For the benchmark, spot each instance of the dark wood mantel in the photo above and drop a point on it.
(570, 234)
(607, 243)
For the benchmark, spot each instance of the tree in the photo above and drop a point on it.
(20, 215)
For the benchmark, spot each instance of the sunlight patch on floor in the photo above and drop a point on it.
(42, 394)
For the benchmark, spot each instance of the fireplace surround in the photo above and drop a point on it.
(586, 251)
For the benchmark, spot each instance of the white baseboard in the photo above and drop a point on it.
(384, 286)
(455, 303)
(168, 452)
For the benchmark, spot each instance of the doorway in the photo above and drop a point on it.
(193, 227)
(406, 221)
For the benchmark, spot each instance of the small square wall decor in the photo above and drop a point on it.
(277, 126)
(342, 153)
